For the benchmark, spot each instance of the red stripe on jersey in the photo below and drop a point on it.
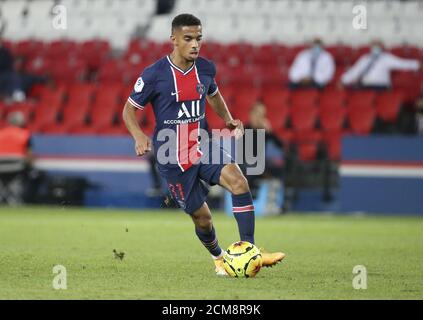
(188, 152)
(186, 84)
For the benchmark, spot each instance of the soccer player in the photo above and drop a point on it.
(177, 87)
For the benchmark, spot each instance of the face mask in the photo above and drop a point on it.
(316, 49)
(376, 50)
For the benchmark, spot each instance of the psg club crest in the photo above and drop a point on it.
(200, 88)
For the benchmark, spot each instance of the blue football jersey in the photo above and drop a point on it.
(178, 99)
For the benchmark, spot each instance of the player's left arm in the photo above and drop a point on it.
(219, 106)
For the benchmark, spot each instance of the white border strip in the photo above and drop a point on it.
(350, 170)
(136, 105)
(198, 78)
(177, 148)
(180, 70)
(176, 85)
(214, 93)
(92, 165)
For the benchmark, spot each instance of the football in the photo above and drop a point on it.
(242, 260)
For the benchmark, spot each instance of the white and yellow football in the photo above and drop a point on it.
(242, 260)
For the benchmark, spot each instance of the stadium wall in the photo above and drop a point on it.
(378, 174)
(382, 174)
(118, 178)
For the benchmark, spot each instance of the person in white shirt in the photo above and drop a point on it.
(312, 67)
(373, 70)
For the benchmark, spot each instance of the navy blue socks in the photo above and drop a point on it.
(209, 240)
(243, 209)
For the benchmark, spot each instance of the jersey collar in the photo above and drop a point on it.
(179, 69)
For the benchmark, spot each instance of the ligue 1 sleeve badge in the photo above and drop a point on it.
(139, 85)
(200, 88)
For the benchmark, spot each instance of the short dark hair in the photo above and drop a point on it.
(185, 19)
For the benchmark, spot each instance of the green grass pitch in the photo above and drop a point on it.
(164, 260)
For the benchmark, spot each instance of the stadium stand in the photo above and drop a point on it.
(94, 61)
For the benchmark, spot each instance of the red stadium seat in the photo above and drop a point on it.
(80, 97)
(332, 140)
(44, 115)
(53, 97)
(55, 129)
(68, 71)
(213, 119)
(361, 119)
(285, 135)
(409, 52)
(332, 118)
(241, 114)
(111, 71)
(103, 117)
(303, 118)
(108, 101)
(26, 108)
(342, 54)
(308, 143)
(36, 91)
(278, 117)
(271, 76)
(83, 130)
(265, 55)
(388, 105)
(333, 84)
(2, 110)
(333, 98)
(75, 112)
(308, 97)
(73, 117)
(409, 83)
(243, 77)
(27, 48)
(244, 100)
(38, 64)
(115, 130)
(94, 52)
(275, 98)
(362, 98)
(109, 95)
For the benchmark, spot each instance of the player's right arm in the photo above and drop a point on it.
(142, 94)
(142, 141)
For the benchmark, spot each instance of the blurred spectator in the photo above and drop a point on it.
(14, 82)
(15, 138)
(15, 159)
(10, 82)
(273, 147)
(419, 116)
(157, 189)
(164, 6)
(313, 67)
(373, 70)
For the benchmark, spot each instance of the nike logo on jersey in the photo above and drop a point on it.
(175, 93)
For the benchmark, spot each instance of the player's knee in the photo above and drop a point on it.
(203, 222)
(239, 184)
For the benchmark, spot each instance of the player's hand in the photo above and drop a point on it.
(236, 127)
(142, 144)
